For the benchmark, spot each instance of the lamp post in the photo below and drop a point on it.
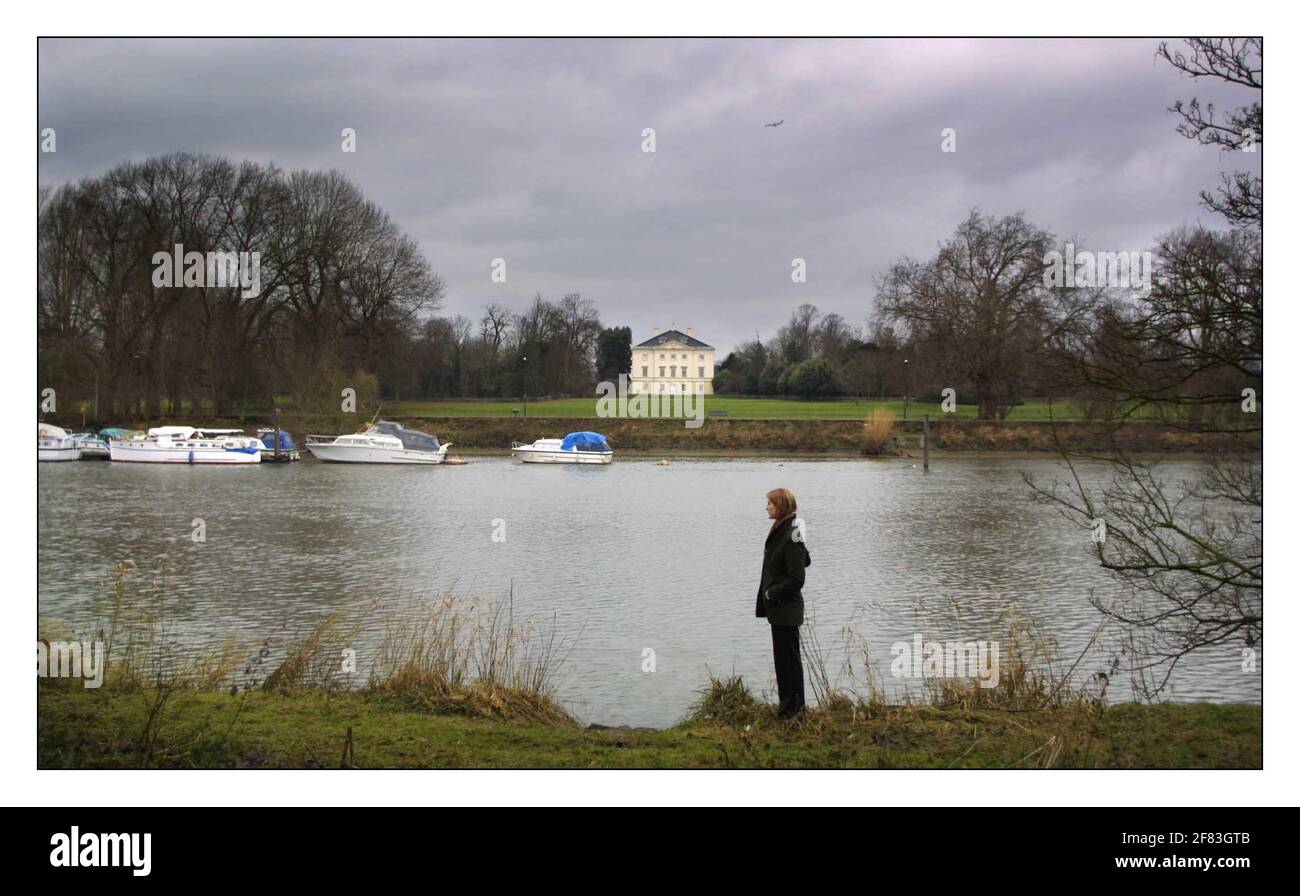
(907, 386)
(525, 385)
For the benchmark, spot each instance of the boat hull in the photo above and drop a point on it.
(549, 456)
(358, 454)
(48, 455)
(120, 452)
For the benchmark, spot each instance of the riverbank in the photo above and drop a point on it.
(102, 728)
(911, 454)
(840, 437)
(949, 436)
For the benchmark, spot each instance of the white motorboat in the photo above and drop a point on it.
(54, 443)
(384, 442)
(92, 446)
(575, 448)
(187, 445)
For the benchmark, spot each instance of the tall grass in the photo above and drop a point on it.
(455, 655)
(445, 654)
(727, 701)
(1032, 676)
(877, 431)
(143, 661)
(140, 647)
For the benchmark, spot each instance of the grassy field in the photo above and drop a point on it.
(736, 408)
(88, 728)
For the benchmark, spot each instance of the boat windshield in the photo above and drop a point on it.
(411, 439)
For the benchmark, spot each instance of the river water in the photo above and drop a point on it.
(650, 571)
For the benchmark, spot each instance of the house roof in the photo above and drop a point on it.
(671, 335)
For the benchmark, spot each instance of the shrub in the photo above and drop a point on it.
(877, 431)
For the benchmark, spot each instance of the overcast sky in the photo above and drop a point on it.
(531, 150)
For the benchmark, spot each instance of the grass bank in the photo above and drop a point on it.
(452, 682)
(735, 408)
(854, 437)
(89, 728)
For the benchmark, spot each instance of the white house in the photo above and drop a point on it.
(672, 363)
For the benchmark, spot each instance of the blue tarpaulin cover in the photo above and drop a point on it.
(584, 441)
(286, 440)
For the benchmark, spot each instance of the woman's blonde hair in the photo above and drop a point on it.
(783, 500)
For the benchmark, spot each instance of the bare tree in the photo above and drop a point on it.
(1240, 196)
(1184, 353)
(1191, 550)
(339, 284)
(579, 326)
(495, 325)
(982, 306)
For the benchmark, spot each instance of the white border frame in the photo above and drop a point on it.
(24, 785)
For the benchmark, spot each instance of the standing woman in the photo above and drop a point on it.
(780, 597)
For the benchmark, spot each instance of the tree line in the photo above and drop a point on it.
(342, 298)
(981, 318)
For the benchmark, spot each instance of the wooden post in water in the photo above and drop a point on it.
(276, 412)
(925, 442)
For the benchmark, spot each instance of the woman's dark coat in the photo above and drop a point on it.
(780, 590)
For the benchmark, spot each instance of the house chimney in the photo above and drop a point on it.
(690, 332)
(656, 331)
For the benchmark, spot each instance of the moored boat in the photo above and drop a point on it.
(384, 442)
(109, 433)
(53, 444)
(575, 448)
(92, 446)
(288, 451)
(187, 445)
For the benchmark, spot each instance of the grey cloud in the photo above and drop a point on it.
(530, 150)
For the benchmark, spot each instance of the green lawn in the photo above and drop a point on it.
(86, 728)
(736, 408)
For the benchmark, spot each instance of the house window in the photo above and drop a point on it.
(661, 371)
(645, 372)
(701, 357)
(701, 373)
(673, 370)
(699, 387)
